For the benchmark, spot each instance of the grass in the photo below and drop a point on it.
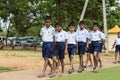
(104, 74)
(7, 69)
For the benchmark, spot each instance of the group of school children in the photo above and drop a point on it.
(57, 43)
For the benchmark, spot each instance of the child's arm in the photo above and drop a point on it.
(66, 46)
(87, 43)
(113, 46)
(76, 47)
(103, 41)
(54, 43)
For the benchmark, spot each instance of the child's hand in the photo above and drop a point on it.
(87, 47)
(104, 48)
(112, 47)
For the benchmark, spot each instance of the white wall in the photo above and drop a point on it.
(111, 39)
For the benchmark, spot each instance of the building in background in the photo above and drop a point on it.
(112, 34)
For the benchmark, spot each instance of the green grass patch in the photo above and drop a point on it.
(104, 74)
(7, 69)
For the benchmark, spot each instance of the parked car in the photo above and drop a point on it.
(14, 41)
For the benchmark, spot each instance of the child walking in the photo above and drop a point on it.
(117, 48)
(83, 39)
(47, 33)
(60, 48)
(88, 55)
(102, 44)
(72, 45)
(95, 37)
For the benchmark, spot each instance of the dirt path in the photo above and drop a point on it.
(31, 74)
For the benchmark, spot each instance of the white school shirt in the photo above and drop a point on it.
(71, 37)
(95, 35)
(102, 36)
(47, 34)
(82, 35)
(60, 36)
(117, 41)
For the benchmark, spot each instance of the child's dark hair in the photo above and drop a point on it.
(71, 24)
(58, 24)
(81, 22)
(96, 24)
(48, 18)
(100, 27)
(118, 33)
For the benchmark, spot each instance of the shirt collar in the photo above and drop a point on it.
(70, 32)
(60, 31)
(48, 27)
(82, 29)
(95, 31)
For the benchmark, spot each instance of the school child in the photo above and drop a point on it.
(47, 33)
(102, 44)
(95, 37)
(72, 45)
(88, 55)
(117, 48)
(82, 38)
(60, 48)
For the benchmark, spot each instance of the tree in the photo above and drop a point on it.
(26, 14)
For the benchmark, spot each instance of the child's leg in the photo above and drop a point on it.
(119, 57)
(62, 65)
(99, 59)
(50, 65)
(90, 59)
(45, 66)
(87, 59)
(116, 57)
(95, 59)
(71, 62)
(54, 63)
(57, 66)
(81, 61)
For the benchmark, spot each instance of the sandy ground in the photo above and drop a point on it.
(32, 65)
(31, 74)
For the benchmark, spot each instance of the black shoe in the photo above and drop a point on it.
(85, 66)
(80, 71)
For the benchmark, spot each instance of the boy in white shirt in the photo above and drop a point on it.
(117, 48)
(82, 38)
(102, 44)
(47, 33)
(95, 37)
(72, 45)
(60, 48)
(88, 54)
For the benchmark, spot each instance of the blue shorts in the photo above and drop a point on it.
(71, 49)
(100, 47)
(94, 46)
(81, 48)
(59, 50)
(117, 48)
(47, 49)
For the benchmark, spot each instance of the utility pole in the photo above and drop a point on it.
(83, 11)
(105, 27)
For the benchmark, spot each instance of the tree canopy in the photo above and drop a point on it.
(26, 16)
